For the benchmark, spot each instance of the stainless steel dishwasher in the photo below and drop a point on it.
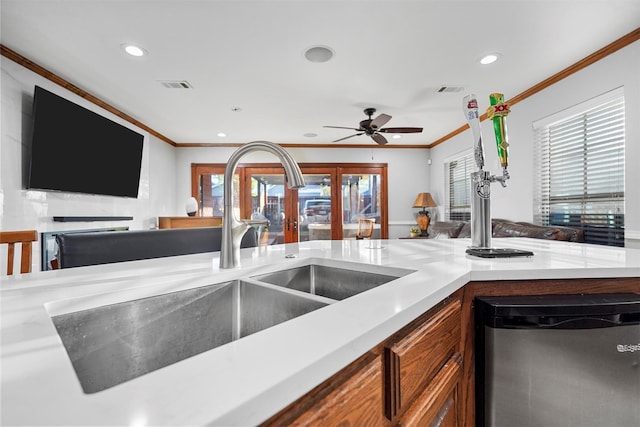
(558, 360)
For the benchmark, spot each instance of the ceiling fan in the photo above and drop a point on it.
(373, 127)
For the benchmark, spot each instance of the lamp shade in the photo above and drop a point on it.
(424, 200)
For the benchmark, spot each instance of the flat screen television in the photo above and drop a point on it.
(76, 150)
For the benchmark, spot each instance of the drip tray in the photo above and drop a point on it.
(498, 252)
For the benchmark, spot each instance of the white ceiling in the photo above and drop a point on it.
(389, 54)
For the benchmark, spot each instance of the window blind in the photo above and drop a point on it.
(580, 162)
(459, 188)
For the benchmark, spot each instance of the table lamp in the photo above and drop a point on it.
(424, 200)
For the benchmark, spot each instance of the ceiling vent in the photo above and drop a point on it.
(176, 84)
(449, 89)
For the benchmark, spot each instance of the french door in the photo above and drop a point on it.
(327, 208)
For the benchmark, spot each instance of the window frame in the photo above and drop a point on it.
(582, 138)
(461, 212)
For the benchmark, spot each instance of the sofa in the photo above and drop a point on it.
(507, 228)
(81, 249)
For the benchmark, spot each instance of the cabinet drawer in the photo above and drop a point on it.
(415, 358)
(436, 405)
(350, 398)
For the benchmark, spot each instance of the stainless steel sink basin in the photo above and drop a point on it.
(330, 281)
(116, 343)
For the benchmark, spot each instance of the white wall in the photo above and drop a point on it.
(30, 209)
(621, 69)
(408, 173)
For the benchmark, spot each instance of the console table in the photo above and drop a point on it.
(189, 221)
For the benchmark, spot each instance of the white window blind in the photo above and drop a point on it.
(580, 162)
(459, 188)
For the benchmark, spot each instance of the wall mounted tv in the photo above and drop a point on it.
(76, 150)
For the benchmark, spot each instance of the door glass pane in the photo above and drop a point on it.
(268, 202)
(212, 195)
(360, 199)
(314, 201)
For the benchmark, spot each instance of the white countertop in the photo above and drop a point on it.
(246, 381)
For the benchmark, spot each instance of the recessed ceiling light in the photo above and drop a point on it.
(222, 134)
(310, 135)
(396, 136)
(318, 54)
(133, 50)
(490, 58)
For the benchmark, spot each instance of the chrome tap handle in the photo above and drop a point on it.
(470, 108)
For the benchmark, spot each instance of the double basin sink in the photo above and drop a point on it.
(112, 344)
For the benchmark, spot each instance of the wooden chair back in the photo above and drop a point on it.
(24, 237)
(365, 228)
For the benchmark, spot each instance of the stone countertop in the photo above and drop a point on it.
(247, 381)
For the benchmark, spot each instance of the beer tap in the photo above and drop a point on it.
(482, 179)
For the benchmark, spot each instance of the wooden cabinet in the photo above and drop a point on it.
(418, 354)
(439, 402)
(412, 378)
(351, 397)
(423, 375)
(189, 221)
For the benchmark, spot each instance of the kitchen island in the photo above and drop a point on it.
(248, 381)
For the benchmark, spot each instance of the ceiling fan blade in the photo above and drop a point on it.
(347, 137)
(379, 121)
(379, 139)
(340, 127)
(400, 130)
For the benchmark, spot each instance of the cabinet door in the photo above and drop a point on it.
(351, 398)
(416, 357)
(437, 405)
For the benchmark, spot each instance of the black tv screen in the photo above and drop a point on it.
(76, 150)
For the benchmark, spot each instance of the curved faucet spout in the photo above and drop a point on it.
(232, 228)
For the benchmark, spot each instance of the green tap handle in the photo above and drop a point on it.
(498, 113)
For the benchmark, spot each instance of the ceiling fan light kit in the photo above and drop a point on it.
(373, 127)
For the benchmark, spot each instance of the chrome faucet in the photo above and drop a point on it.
(232, 228)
